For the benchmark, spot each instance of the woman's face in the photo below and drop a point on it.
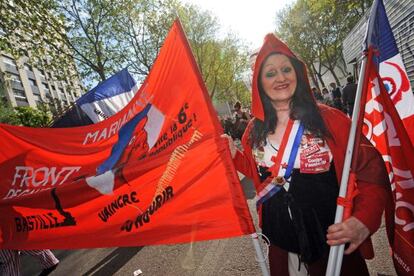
(278, 78)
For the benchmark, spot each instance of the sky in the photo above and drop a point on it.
(252, 20)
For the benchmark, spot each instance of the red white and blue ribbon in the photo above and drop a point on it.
(286, 155)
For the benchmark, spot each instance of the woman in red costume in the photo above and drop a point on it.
(294, 151)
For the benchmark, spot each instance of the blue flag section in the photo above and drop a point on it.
(379, 34)
(103, 101)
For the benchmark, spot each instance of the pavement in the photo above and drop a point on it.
(228, 257)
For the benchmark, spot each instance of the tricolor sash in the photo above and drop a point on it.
(284, 161)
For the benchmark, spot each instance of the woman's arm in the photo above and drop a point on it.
(240, 160)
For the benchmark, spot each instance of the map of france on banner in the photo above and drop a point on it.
(157, 172)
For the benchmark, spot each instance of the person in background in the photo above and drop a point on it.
(241, 119)
(10, 261)
(327, 97)
(294, 150)
(348, 95)
(336, 96)
(317, 94)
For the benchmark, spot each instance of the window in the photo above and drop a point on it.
(19, 94)
(37, 98)
(28, 67)
(62, 94)
(15, 78)
(47, 91)
(22, 102)
(42, 73)
(9, 61)
(45, 87)
(32, 82)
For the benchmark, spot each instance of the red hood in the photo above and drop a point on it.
(271, 44)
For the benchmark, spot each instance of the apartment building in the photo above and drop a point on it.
(25, 85)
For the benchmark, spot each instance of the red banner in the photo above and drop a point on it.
(157, 172)
(384, 128)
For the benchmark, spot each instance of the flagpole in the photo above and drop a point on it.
(336, 252)
(260, 258)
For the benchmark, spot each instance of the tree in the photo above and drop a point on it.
(222, 62)
(33, 29)
(142, 30)
(103, 36)
(90, 28)
(316, 28)
(28, 116)
(7, 114)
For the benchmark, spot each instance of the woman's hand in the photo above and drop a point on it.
(232, 147)
(351, 230)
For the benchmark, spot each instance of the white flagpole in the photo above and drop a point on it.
(336, 252)
(260, 258)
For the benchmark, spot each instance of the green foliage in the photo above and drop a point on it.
(131, 33)
(315, 30)
(32, 29)
(222, 61)
(90, 28)
(8, 115)
(25, 116)
(141, 32)
(31, 117)
(103, 36)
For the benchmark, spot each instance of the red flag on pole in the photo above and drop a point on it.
(389, 125)
(384, 128)
(157, 172)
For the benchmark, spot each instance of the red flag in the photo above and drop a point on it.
(384, 128)
(157, 172)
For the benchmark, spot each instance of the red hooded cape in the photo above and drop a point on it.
(371, 176)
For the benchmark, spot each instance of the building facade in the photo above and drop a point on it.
(25, 85)
(401, 17)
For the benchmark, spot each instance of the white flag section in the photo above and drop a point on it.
(394, 76)
(108, 97)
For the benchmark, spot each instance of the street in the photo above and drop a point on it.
(234, 256)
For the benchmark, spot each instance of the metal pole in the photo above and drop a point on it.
(336, 252)
(259, 253)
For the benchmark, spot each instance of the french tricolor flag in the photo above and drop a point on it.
(103, 101)
(390, 66)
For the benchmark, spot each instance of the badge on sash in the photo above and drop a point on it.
(312, 159)
(315, 163)
(279, 180)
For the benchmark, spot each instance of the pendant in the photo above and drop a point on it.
(279, 180)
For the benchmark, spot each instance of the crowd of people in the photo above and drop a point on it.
(236, 124)
(341, 98)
